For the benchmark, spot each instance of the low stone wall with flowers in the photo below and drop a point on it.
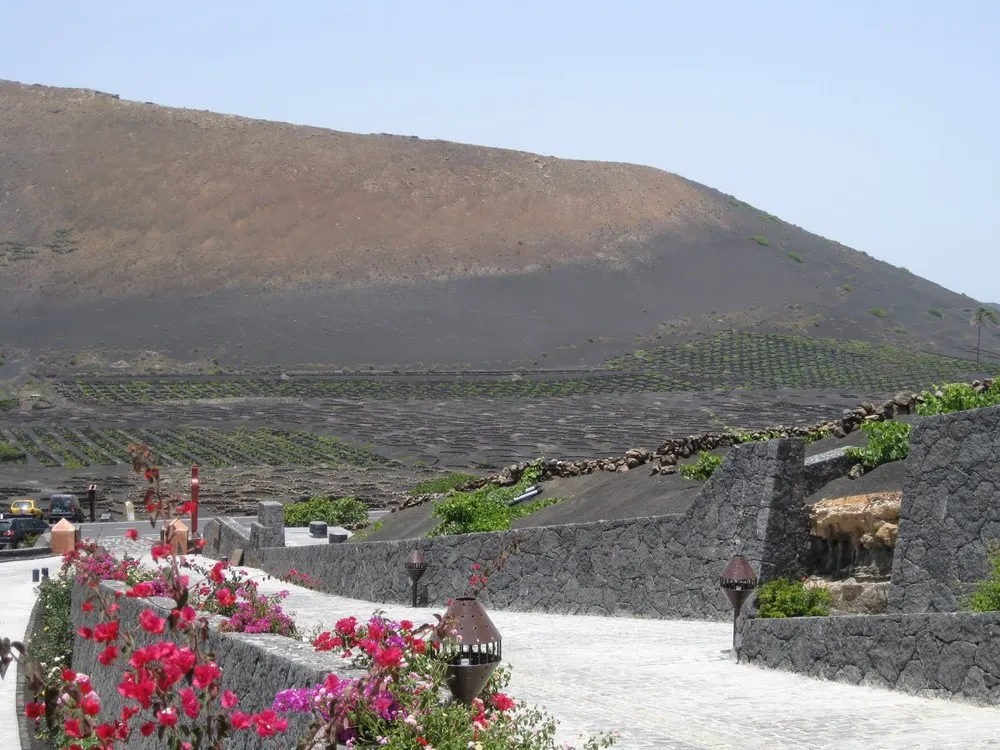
(255, 666)
(665, 566)
(935, 655)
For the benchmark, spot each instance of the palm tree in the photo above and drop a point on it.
(979, 317)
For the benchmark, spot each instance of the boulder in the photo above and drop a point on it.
(867, 520)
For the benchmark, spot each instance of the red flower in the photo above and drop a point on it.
(422, 742)
(104, 731)
(147, 729)
(132, 534)
(215, 575)
(475, 566)
(91, 704)
(68, 675)
(228, 699)
(241, 720)
(503, 702)
(268, 723)
(160, 550)
(150, 622)
(187, 508)
(85, 633)
(128, 713)
(72, 728)
(206, 674)
(106, 631)
(167, 717)
(87, 607)
(225, 597)
(405, 625)
(140, 590)
(108, 655)
(389, 657)
(34, 710)
(199, 543)
(189, 702)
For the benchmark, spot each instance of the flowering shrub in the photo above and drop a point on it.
(304, 580)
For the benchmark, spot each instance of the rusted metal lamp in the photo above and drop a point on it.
(738, 580)
(471, 663)
(416, 566)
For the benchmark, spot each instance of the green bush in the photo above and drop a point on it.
(935, 312)
(10, 454)
(986, 597)
(486, 509)
(796, 257)
(957, 397)
(887, 441)
(336, 512)
(761, 240)
(52, 645)
(784, 598)
(879, 312)
(702, 468)
(442, 484)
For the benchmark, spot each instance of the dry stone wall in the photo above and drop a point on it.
(666, 566)
(950, 512)
(936, 655)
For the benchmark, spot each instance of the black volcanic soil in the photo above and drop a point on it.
(266, 243)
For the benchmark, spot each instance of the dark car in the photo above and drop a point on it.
(64, 506)
(13, 531)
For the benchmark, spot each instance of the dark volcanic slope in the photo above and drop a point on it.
(136, 227)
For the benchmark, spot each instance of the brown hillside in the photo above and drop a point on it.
(157, 190)
(132, 226)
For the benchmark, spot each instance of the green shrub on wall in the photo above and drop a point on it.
(986, 597)
(703, 468)
(486, 509)
(784, 598)
(887, 441)
(957, 397)
(336, 512)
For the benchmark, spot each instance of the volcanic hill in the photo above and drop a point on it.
(127, 227)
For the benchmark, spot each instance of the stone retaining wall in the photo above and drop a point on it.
(950, 511)
(255, 667)
(665, 566)
(935, 655)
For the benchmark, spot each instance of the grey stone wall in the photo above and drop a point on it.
(222, 535)
(823, 468)
(937, 655)
(950, 510)
(255, 667)
(665, 566)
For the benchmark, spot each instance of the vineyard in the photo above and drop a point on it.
(726, 361)
(79, 447)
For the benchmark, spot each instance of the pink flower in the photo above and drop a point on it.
(225, 597)
(268, 723)
(91, 704)
(189, 702)
(108, 655)
(228, 699)
(241, 720)
(206, 674)
(167, 717)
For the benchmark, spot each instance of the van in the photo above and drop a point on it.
(64, 506)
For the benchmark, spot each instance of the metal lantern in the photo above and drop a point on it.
(738, 580)
(478, 650)
(415, 566)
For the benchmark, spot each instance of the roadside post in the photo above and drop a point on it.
(194, 501)
(92, 497)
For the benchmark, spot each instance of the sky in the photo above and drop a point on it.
(874, 123)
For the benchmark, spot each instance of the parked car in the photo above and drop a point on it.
(64, 506)
(25, 506)
(14, 531)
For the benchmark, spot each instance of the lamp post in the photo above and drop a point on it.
(195, 483)
(416, 566)
(738, 580)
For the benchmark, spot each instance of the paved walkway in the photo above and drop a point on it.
(18, 594)
(667, 684)
(663, 684)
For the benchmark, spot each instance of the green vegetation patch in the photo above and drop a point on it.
(703, 468)
(879, 312)
(986, 596)
(11, 454)
(342, 511)
(445, 483)
(761, 240)
(887, 441)
(796, 257)
(486, 509)
(785, 598)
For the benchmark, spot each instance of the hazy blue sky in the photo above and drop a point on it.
(874, 123)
